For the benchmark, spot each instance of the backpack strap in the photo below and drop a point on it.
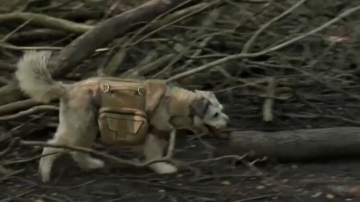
(155, 90)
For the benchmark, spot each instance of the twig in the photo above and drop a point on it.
(111, 158)
(13, 198)
(9, 46)
(9, 134)
(6, 163)
(115, 61)
(47, 21)
(14, 31)
(258, 172)
(269, 100)
(79, 185)
(275, 48)
(234, 157)
(255, 198)
(19, 105)
(3, 170)
(141, 70)
(9, 149)
(51, 48)
(251, 41)
(30, 111)
(170, 23)
(207, 22)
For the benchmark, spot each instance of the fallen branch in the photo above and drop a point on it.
(9, 149)
(36, 35)
(269, 50)
(297, 145)
(253, 38)
(269, 100)
(111, 158)
(29, 111)
(19, 105)
(82, 48)
(47, 21)
(85, 45)
(3, 170)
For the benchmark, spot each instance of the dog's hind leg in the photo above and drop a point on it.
(77, 127)
(50, 154)
(85, 132)
(84, 160)
(153, 149)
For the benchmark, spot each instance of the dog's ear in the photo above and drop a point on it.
(199, 107)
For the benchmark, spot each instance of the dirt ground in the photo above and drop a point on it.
(200, 179)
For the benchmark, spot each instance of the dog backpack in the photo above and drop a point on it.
(125, 106)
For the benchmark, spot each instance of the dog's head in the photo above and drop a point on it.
(208, 113)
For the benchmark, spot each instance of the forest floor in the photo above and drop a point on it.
(204, 180)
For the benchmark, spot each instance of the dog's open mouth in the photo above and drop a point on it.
(213, 131)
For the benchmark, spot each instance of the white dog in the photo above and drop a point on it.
(78, 114)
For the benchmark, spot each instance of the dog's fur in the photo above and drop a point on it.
(78, 123)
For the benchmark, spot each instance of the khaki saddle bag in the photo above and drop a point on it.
(124, 110)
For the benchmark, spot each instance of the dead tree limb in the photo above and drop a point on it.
(85, 45)
(108, 157)
(298, 145)
(47, 21)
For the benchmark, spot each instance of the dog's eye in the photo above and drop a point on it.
(216, 115)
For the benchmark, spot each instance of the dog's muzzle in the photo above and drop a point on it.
(212, 131)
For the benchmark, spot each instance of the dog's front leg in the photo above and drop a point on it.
(153, 149)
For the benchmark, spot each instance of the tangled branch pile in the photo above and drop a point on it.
(289, 65)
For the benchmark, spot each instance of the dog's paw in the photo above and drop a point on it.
(163, 168)
(93, 163)
(45, 178)
(44, 172)
(44, 175)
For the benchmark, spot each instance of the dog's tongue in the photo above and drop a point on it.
(217, 133)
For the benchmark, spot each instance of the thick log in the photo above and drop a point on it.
(84, 46)
(298, 145)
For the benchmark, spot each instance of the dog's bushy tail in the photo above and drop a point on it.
(35, 79)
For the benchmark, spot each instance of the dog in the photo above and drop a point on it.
(78, 114)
